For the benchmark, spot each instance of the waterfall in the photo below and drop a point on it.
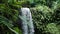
(27, 23)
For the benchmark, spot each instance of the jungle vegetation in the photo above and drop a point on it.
(45, 14)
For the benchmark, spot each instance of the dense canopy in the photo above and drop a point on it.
(45, 15)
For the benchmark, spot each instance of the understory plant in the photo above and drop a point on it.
(8, 17)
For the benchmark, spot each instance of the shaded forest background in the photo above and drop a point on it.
(45, 14)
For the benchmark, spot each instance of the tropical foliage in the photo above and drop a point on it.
(46, 16)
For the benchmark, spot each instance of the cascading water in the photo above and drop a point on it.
(27, 23)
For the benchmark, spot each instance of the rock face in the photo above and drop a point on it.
(27, 23)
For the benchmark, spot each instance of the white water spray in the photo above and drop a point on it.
(27, 23)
